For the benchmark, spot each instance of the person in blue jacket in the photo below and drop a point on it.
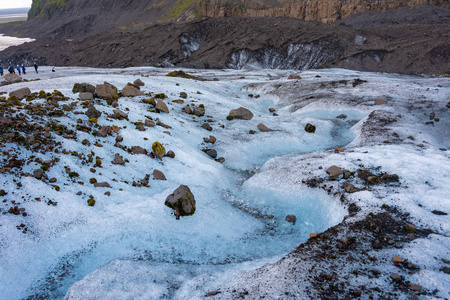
(18, 69)
(11, 70)
(23, 69)
(1, 71)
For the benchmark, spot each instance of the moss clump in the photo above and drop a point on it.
(42, 94)
(230, 118)
(93, 120)
(3, 193)
(158, 150)
(74, 175)
(92, 180)
(184, 75)
(98, 162)
(91, 201)
(161, 96)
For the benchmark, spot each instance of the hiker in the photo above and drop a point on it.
(53, 69)
(23, 70)
(18, 69)
(1, 71)
(35, 68)
(11, 70)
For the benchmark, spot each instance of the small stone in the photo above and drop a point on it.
(183, 95)
(207, 126)
(334, 172)
(271, 109)
(158, 175)
(182, 201)
(131, 91)
(262, 127)
(199, 111)
(313, 235)
(220, 160)
(396, 277)
(380, 101)
(138, 82)
(212, 139)
(38, 173)
(397, 260)
(342, 116)
(161, 106)
(291, 219)
(52, 180)
(102, 184)
(170, 154)
(294, 76)
(310, 128)
(138, 150)
(211, 152)
(432, 115)
(118, 114)
(439, 213)
(357, 292)
(187, 109)
(158, 150)
(446, 270)
(119, 138)
(213, 293)
(149, 123)
(86, 96)
(20, 93)
(118, 160)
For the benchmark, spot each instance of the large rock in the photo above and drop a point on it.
(241, 113)
(131, 91)
(20, 93)
(161, 106)
(106, 91)
(182, 201)
(13, 78)
(334, 172)
(83, 88)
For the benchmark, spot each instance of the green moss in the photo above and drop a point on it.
(92, 180)
(93, 120)
(230, 118)
(38, 7)
(178, 8)
(74, 174)
(161, 96)
(91, 201)
(158, 149)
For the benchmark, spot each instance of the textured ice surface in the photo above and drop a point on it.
(8, 41)
(131, 237)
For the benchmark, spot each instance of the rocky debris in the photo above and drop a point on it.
(83, 88)
(349, 188)
(182, 201)
(342, 116)
(12, 78)
(380, 101)
(294, 76)
(118, 160)
(131, 91)
(120, 115)
(291, 219)
(158, 150)
(241, 113)
(310, 128)
(262, 127)
(38, 173)
(158, 175)
(334, 172)
(207, 126)
(20, 93)
(138, 82)
(161, 106)
(106, 91)
(102, 184)
(138, 150)
(183, 95)
(211, 152)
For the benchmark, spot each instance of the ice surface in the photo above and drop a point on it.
(8, 41)
(129, 244)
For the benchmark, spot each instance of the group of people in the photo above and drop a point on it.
(20, 69)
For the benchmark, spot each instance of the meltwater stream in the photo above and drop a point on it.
(131, 247)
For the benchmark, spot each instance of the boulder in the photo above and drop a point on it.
(131, 91)
(93, 113)
(118, 160)
(158, 150)
(262, 127)
(20, 93)
(138, 82)
(83, 88)
(161, 106)
(138, 150)
(12, 78)
(86, 96)
(294, 76)
(334, 172)
(380, 101)
(241, 113)
(182, 201)
(310, 128)
(106, 91)
(158, 175)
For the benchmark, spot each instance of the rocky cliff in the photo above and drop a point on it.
(323, 11)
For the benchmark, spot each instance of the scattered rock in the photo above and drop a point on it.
(182, 201)
(86, 96)
(439, 213)
(199, 111)
(106, 91)
(396, 277)
(38, 173)
(187, 109)
(149, 123)
(158, 150)
(211, 152)
(241, 113)
(262, 127)
(183, 95)
(432, 115)
(397, 260)
(161, 106)
(83, 88)
(380, 101)
(342, 116)
(446, 270)
(118, 114)
(334, 172)
(102, 184)
(93, 113)
(349, 188)
(12, 78)
(20, 93)
(415, 287)
(131, 91)
(291, 219)
(158, 175)
(313, 235)
(170, 154)
(118, 160)
(294, 76)
(310, 128)
(271, 109)
(207, 126)
(138, 150)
